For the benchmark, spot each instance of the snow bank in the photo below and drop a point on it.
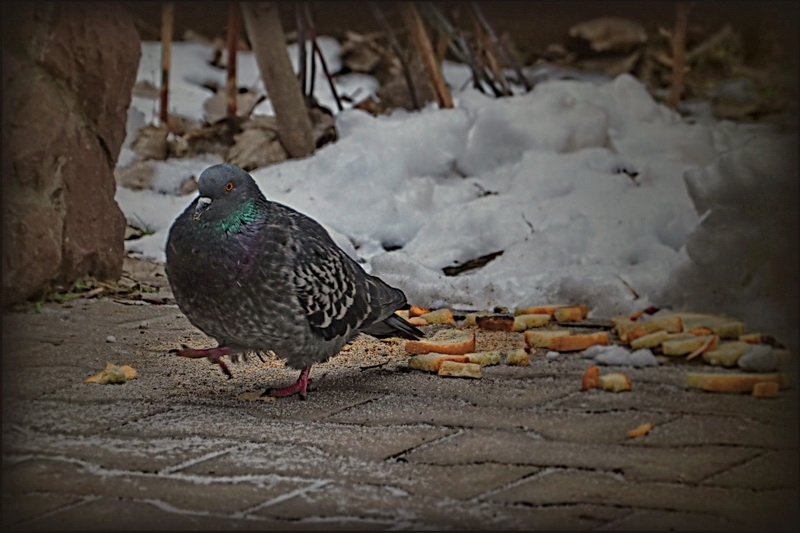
(593, 192)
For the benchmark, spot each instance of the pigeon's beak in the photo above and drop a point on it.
(202, 204)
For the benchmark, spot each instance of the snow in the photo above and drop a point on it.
(618, 356)
(594, 192)
(759, 358)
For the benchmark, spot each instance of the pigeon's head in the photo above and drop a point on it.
(224, 188)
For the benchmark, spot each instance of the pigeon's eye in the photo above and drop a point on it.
(229, 186)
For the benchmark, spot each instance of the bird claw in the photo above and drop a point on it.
(299, 387)
(214, 355)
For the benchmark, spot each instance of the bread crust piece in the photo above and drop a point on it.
(651, 340)
(495, 322)
(112, 374)
(766, 389)
(571, 343)
(440, 316)
(628, 330)
(574, 313)
(726, 354)
(725, 327)
(492, 357)
(430, 362)
(751, 338)
(540, 338)
(525, 322)
(644, 429)
(615, 382)
(546, 309)
(471, 320)
(417, 310)
(591, 378)
(462, 344)
(739, 382)
(687, 346)
(455, 369)
(712, 341)
(518, 357)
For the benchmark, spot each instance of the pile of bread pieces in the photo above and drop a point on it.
(718, 341)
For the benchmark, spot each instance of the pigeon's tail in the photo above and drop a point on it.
(393, 326)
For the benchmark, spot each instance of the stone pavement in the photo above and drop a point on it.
(375, 446)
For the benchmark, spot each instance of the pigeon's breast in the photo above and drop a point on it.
(235, 288)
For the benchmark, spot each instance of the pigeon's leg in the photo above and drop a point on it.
(299, 387)
(213, 355)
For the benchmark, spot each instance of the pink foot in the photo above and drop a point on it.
(299, 387)
(213, 355)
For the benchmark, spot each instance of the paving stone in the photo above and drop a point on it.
(122, 453)
(495, 388)
(767, 509)
(455, 481)
(376, 446)
(773, 470)
(343, 439)
(21, 508)
(201, 494)
(380, 504)
(405, 409)
(698, 429)
(73, 418)
(661, 520)
(33, 383)
(661, 397)
(112, 514)
(689, 464)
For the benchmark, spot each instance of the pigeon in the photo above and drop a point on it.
(260, 276)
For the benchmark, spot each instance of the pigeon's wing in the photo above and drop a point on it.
(332, 294)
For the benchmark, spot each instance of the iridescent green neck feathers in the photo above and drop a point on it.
(247, 213)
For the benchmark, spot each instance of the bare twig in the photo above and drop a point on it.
(420, 38)
(489, 52)
(167, 18)
(458, 46)
(378, 14)
(312, 76)
(498, 43)
(709, 43)
(678, 52)
(231, 88)
(318, 51)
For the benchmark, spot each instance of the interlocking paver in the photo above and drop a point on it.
(377, 446)
(772, 470)
(690, 464)
(182, 492)
(766, 509)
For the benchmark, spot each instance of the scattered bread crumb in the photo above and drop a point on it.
(615, 382)
(591, 378)
(644, 429)
(112, 374)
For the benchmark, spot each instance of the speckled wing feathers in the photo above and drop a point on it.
(327, 292)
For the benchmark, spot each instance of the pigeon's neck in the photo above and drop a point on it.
(248, 213)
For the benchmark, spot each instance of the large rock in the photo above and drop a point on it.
(68, 71)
